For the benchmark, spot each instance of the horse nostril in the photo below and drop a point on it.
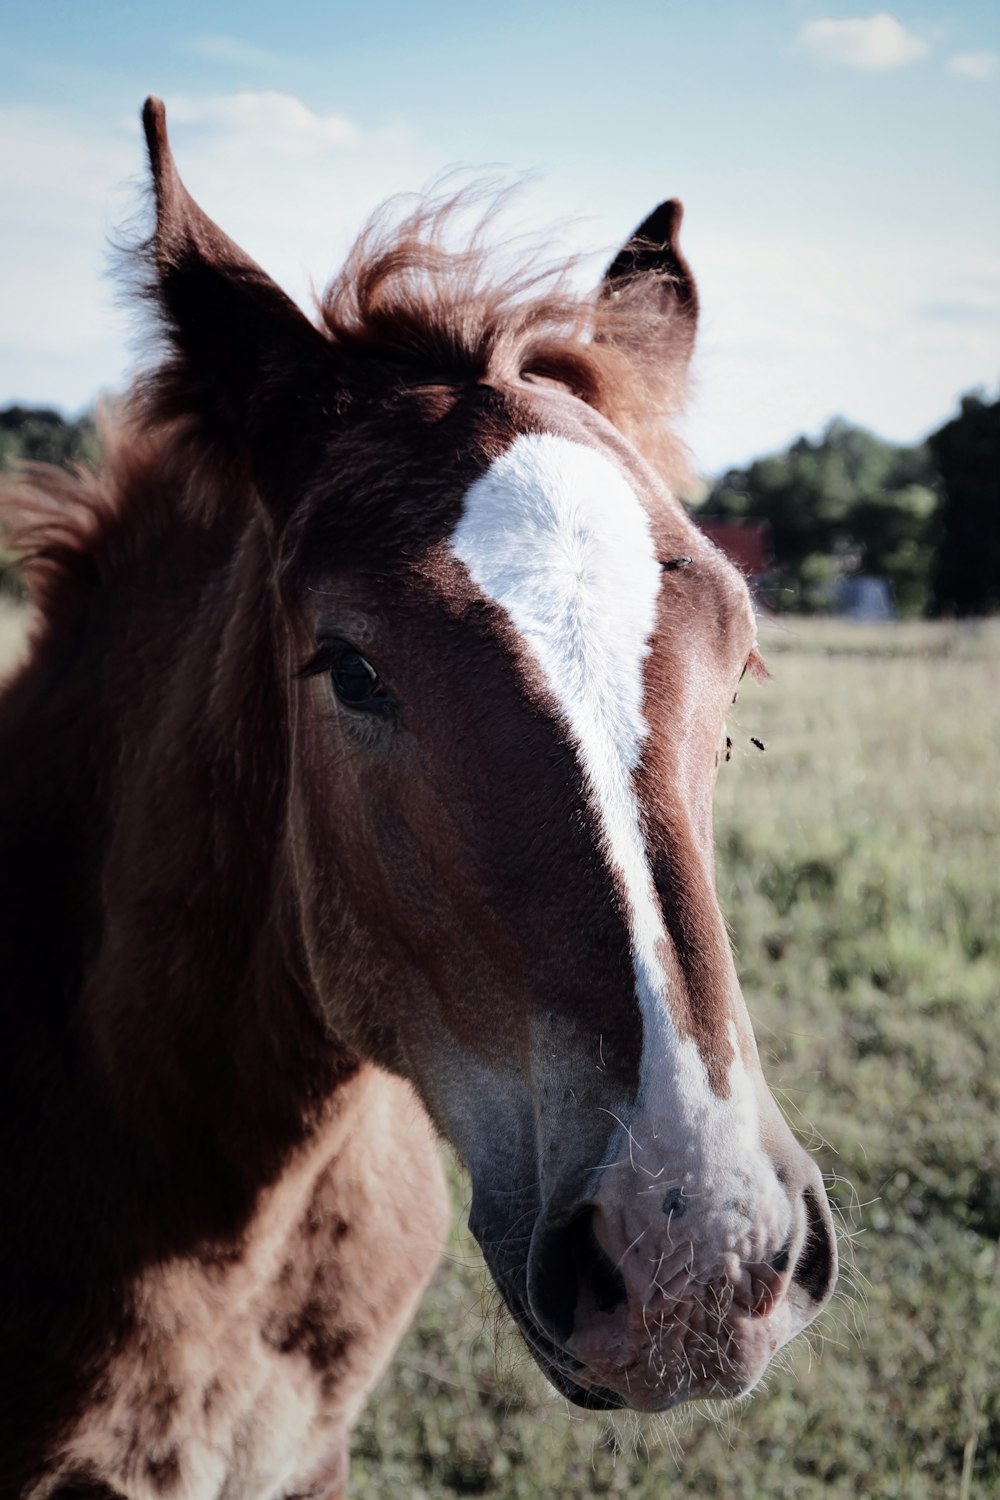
(595, 1270)
(816, 1266)
(552, 1285)
(569, 1266)
(779, 1262)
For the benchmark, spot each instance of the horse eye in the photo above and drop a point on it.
(355, 681)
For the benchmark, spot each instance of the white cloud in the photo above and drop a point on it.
(231, 51)
(263, 119)
(872, 43)
(978, 65)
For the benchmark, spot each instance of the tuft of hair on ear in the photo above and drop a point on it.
(648, 302)
(654, 249)
(647, 313)
(244, 367)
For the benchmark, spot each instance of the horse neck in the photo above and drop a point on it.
(150, 955)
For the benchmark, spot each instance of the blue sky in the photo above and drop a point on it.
(839, 167)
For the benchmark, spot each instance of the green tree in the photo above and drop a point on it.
(43, 436)
(847, 503)
(965, 576)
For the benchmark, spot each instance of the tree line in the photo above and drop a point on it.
(924, 517)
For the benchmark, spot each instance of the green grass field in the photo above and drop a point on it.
(858, 867)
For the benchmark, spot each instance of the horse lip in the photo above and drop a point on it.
(552, 1364)
(591, 1398)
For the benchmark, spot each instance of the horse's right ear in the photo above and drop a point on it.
(649, 300)
(245, 362)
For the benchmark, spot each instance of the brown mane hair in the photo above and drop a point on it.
(403, 295)
(406, 299)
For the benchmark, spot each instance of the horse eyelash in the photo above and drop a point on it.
(324, 659)
(318, 663)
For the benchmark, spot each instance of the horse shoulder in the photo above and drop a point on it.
(247, 1365)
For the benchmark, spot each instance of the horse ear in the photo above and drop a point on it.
(244, 356)
(649, 301)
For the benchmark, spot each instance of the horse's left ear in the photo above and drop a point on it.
(649, 301)
(248, 368)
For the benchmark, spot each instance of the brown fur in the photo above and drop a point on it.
(243, 933)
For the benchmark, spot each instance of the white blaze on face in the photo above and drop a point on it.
(556, 536)
(554, 533)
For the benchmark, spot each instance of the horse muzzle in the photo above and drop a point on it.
(647, 1308)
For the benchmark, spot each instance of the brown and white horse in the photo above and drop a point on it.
(359, 785)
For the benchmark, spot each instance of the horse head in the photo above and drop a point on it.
(507, 656)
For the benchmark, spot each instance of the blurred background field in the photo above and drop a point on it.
(858, 870)
(858, 867)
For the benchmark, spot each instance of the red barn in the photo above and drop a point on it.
(745, 543)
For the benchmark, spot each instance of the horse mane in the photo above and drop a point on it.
(405, 298)
(405, 295)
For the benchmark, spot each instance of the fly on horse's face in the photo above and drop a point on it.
(522, 707)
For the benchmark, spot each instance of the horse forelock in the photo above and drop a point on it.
(421, 291)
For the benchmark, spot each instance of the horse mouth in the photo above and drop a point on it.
(581, 1384)
(560, 1369)
(584, 1381)
(591, 1398)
